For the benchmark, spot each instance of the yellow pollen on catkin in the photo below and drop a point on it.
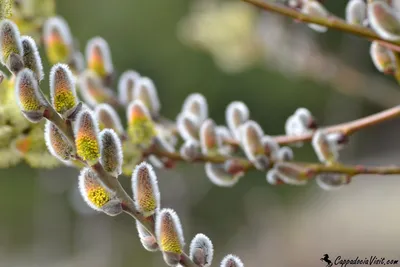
(64, 100)
(169, 239)
(57, 50)
(98, 196)
(87, 147)
(96, 63)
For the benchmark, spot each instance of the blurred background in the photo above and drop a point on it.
(227, 51)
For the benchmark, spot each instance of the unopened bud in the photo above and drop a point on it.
(210, 141)
(384, 21)
(145, 189)
(126, 85)
(315, 9)
(236, 114)
(86, 137)
(188, 127)
(383, 58)
(108, 118)
(169, 233)
(356, 12)
(111, 157)
(146, 91)
(15, 63)
(10, 41)
(196, 104)
(29, 97)
(331, 181)
(231, 261)
(251, 140)
(31, 57)
(148, 241)
(57, 143)
(326, 151)
(218, 174)
(290, 173)
(201, 250)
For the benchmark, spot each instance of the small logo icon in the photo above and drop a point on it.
(327, 260)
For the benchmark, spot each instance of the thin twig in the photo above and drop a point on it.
(330, 22)
(350, 170)
(346, 128)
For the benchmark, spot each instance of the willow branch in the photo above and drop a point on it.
(347, 128)
(330, 22)
(314, 169)
(111, 182)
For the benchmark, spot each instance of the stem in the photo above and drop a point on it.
(330, 22)
(347, 128)
(351, 170)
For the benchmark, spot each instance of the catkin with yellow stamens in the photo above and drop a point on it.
(96, 195)
(98, 57)
(145, 189)
(62, 90)
(141, 129)
(169, 233)
(10, 41)
(57, 40)
(86, 137)
(29, 97)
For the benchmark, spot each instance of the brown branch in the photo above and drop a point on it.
(330, 22)
(350, 170)
(347, 128)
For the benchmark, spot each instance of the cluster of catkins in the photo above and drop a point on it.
(147, 135)
(382, 16)
(87, 145)
(168, 238)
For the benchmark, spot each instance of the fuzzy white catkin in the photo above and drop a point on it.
(31, 57)
(145, 188)
(356, 12)
(188, 127)
(201, 250)
(125, 92)
(146, 91)
(111, 156)
(196, 104)
(315, 8)
(218, 175)
(231, 261)
(381, 17)
(236, 114)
